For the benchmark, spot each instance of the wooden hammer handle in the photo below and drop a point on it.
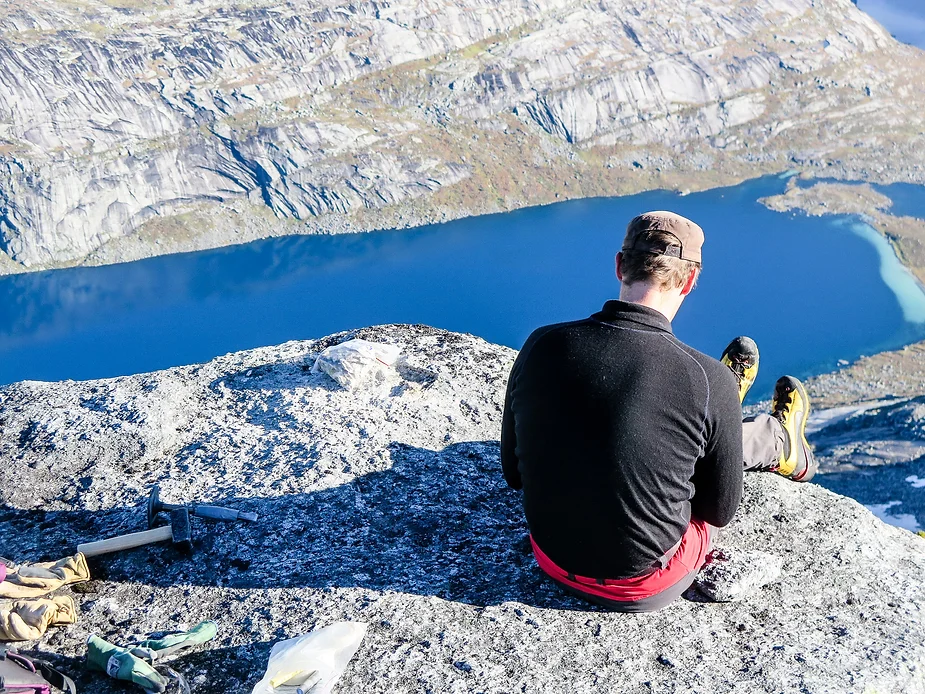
(116, 544)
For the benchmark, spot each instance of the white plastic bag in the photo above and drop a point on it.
(354, 362)
(325, 651)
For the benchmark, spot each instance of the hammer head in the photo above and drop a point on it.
(181, 530)
(154, 505)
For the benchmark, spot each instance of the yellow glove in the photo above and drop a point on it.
(27, 619)
(35, 580)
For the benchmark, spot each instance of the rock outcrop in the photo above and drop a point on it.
(129, 129)
(386, 505)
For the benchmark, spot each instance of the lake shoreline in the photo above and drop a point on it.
(498, 276)
(239, 222)
(904, 233)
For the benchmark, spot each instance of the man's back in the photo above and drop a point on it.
(610, 425)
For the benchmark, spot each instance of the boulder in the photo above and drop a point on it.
(386, 505)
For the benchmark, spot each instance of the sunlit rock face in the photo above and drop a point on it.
(115, 112)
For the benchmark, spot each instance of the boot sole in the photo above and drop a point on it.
(807, 452)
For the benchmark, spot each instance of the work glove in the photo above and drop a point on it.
(135, 662)
(158, 649)
(27, 619)
(36, 580)
(120, 664)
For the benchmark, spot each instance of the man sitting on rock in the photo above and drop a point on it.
(628, 444)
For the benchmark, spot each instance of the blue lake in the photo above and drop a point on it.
(809, 290)
(908, 199)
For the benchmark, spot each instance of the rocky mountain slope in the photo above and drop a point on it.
(129, 128)
(386, 505)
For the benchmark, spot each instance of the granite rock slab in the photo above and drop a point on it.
(387, 506)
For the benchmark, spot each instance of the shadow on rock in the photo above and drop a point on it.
(230, 669)
(439, 523)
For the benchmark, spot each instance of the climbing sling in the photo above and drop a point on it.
(20, 674)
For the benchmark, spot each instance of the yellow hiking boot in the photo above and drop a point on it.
(790, 407)
(741, 356)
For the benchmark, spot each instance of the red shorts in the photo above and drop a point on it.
(687, 560)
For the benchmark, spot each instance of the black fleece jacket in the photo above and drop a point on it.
(617, 432)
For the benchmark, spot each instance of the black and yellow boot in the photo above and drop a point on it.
(741, 356)
(791, 408)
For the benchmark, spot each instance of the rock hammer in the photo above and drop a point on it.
(179, 531)
(155, 506)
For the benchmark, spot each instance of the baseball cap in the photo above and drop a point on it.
(688, 234)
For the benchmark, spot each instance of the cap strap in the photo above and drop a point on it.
(654, 248)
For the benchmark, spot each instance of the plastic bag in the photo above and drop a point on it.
(354, 362)
(317, 659)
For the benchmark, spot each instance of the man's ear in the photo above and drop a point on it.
(689, 285)
(619, 267)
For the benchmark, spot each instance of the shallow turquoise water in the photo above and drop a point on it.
(808, 290)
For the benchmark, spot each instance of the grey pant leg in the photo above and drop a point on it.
(762, 442)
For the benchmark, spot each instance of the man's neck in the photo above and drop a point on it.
(666, 303)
